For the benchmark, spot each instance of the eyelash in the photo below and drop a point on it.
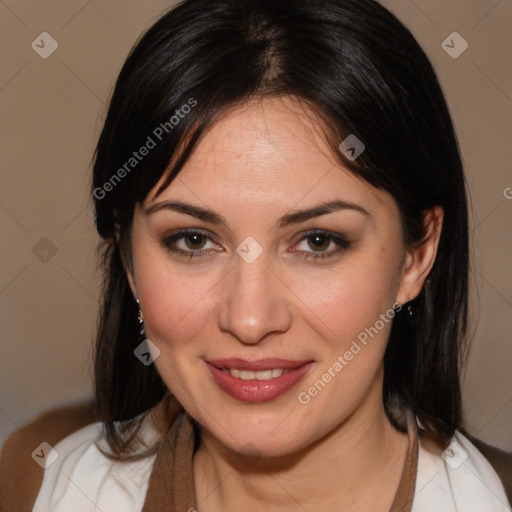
(340, 241)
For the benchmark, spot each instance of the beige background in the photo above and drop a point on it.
(52, 110)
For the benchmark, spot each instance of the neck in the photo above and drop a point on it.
(355, 466)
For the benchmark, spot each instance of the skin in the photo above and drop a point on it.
(260, 161)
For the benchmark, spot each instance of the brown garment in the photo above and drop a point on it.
(171, 484)
(175, 458)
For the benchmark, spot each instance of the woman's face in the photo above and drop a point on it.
(315, 289)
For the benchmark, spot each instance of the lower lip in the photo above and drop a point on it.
(256, 391)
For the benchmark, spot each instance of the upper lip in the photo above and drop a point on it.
(256, 365)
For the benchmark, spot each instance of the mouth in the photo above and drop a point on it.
(259, 375)
(257, 381)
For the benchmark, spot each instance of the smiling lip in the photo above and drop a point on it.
(254, 366)
(254, 390)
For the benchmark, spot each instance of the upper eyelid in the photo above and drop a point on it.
(181, 233)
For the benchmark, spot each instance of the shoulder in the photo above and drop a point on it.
(500, 460)
(468, 475)
(26, 451)
(83, 479)
(55, 463)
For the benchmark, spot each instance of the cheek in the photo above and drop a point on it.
(352, 297)
(172, 300)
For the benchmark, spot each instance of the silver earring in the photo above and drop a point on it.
(409, 310)
(140, 319)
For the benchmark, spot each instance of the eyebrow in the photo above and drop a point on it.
(295, 217)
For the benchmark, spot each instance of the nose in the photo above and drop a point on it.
(254, 302)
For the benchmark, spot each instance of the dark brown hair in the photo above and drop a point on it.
(362, 72)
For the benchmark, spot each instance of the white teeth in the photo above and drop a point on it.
(259, 375)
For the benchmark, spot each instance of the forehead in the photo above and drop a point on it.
(268, 153)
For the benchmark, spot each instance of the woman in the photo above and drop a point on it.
(282, 202)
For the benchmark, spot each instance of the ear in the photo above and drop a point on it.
(420, 258)
(127, 264)
(131, 282)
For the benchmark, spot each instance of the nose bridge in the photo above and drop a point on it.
(254, 302)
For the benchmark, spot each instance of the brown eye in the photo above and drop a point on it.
(190, 244)
(318, 242)
(195, 240)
